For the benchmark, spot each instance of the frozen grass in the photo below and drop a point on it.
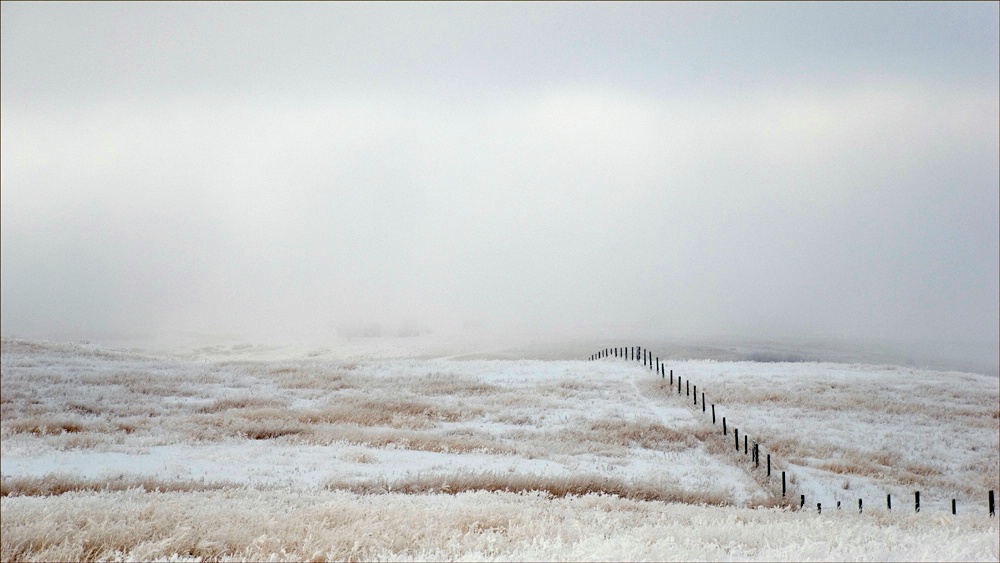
(241, 524)
(420, 448)
(882, 429)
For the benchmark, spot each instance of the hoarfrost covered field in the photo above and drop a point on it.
(406, 449)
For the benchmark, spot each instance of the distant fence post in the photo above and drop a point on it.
(696, 395)
(782, 484)
(768, 465)
(993, 509)
(746, 448)
(736, 432)
(888, 501)
(678, 385)
(953, 507)
(802, 501)
(916, 501)
(723, 425)
(860, 507)
(687, 387)
(703, 401)
(713, 411)
(819, 508)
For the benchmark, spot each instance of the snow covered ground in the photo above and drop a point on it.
(417, 448)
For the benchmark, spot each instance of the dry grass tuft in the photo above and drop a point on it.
(642, 433)
(221, 405)
(39, 426)
(394, 413)
(553, 486)
(458, 442)
(358, 455)
(55, 484)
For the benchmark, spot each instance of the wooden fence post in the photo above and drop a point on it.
(671, 377)
(678, 385)
(802, 502)
(723, 425)
(768, 465)
(993, 509)
(687, 387)
(745, 445)
(713, 410)
(888, 501)
(916, 501)
(736, 432)
(860, 507)
(696, 395)
(702, 401)
(782, 484)
(953, 507)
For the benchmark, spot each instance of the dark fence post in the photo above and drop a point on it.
(860, 507)
(768, 465)
(756, 454)
(916, 501)
(702, 401)
(671, 377)
(713, 411)
(888, 501)
(953, 506)
(802, 502)
(687, 387)
(678, 385)
(696, 395)
(782, 484)
(993, 509)
(819, 508)
(736, 432)
(723, 425)
(746, 447)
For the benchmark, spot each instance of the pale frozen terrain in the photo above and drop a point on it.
(414, 448)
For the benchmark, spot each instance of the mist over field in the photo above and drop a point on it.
(517, 173)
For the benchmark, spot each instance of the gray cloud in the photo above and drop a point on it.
(555, 170)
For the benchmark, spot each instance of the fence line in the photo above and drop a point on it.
(637, 353)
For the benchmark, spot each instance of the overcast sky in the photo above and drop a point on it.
(562, 170)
